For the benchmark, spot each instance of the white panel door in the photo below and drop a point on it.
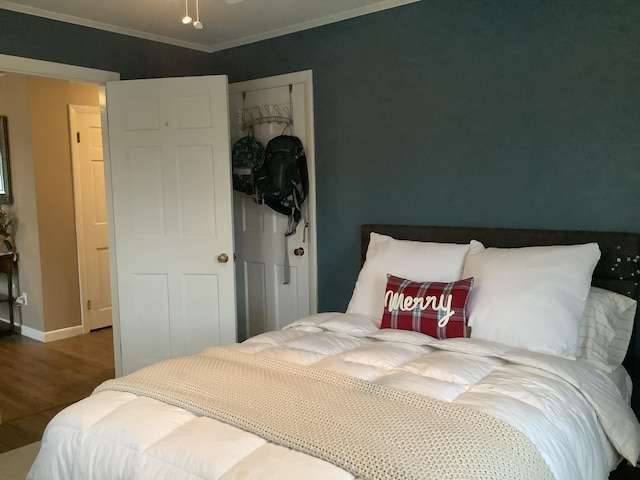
(91, 215)
(265, 302)
(173, 221)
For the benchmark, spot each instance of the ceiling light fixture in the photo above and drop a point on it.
(197, 24)
(186, 19)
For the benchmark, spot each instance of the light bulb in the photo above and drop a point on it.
(186, 19)
(197, 24)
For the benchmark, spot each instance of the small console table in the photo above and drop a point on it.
(8, 266)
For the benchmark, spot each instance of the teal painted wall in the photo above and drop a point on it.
(43, 39)
(482, 113)
(445, 112)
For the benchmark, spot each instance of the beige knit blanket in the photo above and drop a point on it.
(370, 430)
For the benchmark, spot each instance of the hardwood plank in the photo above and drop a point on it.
(37, 380)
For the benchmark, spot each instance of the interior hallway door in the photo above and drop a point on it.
(91, 215)
(172, 209)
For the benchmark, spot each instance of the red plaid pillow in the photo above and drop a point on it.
(434, 308)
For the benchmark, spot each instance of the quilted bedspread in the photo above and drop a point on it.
(350, 422)
(574, 415)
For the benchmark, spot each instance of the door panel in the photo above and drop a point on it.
(171, 179)
(146, 191)
(255, 300)
(196, 189)
(91, 213)
(198, 306)
(148, 325)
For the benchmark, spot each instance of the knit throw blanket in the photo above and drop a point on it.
(370, 430)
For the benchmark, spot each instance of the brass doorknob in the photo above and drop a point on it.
(298, 252)
(223, 258)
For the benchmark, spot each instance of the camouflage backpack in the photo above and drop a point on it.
(247, 156)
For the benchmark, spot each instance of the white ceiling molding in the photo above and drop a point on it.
(167, 29)
(316, 22)
(83, 22)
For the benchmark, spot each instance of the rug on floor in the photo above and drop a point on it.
(15, 464)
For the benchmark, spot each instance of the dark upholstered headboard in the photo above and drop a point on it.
(618, 269)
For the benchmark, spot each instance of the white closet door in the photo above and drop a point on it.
(173, 220)
(266, 302)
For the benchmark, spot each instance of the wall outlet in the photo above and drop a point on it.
(22, 299)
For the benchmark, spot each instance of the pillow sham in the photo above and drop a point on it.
(607, 324)
(419, 261)
(530, 297)
(436, 309)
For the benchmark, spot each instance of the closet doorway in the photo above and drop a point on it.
(266, 108)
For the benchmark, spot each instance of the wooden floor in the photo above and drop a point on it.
(37, 380)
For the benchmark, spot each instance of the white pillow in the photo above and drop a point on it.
(607, 323)
(417, 261)
(530, 297)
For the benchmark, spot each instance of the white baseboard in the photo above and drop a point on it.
(53, 335)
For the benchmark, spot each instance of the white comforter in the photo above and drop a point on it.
(574, 414)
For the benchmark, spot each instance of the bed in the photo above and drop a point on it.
(466, 353)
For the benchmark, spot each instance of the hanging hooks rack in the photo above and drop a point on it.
(260, 114)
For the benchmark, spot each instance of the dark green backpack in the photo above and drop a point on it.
(283, 179)
(247, 157)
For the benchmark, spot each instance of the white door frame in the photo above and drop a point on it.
(40, 68)
(305, 77)
(77, 195)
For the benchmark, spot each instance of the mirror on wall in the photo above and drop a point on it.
(5, 174)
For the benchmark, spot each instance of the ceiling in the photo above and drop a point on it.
(226, 23)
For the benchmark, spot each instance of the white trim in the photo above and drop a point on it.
(77, 202)
(85, 22)
(41, 68)
(305, 77)
(318, 22)
(113, 264)
(51, 336)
